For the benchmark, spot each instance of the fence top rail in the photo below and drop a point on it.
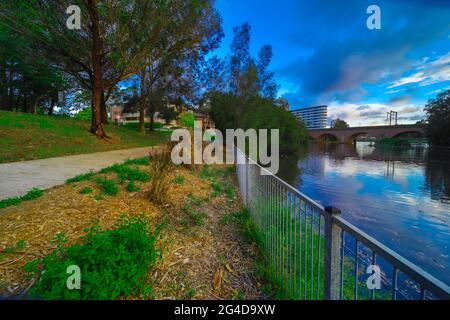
(402, 264)
(284, 183)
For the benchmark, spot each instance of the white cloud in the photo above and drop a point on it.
(427, 73)
(372, 113)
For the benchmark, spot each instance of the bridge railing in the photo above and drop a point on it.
(313, 253)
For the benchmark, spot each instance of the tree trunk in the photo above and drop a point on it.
(52, 105)
(97, 85)
(3, 87)
(142, 105)
(152, 120)
(103, 109)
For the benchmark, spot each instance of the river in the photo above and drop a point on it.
(399, 196)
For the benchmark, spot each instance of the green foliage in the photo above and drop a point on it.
(84, 114)
(144, 161)
(187, 119)
(393, 142)
(20, 244)
(259, 113)
(179, 179)
(82, 177)
(30, 195)
(86, 190)
(125, 172)
(339, 124)
(217, 188)
(114, 263)
(438, 118)
(131, 187)
(107, 186)
(135, 125)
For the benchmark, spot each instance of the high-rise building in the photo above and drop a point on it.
(313, 117)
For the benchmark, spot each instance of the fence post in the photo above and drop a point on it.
(332, 259)
(247, 166)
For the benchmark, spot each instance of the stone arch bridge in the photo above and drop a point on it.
(349, 135)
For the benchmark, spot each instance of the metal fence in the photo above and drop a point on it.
(313, 253)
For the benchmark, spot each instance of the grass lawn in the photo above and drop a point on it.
(26, 136)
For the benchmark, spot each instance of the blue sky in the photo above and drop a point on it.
(325, 54)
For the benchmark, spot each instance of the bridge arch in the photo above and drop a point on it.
(327, 137)
(352, 138)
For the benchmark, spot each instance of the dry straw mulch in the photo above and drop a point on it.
(209, 261)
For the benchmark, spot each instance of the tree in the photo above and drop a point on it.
(339, 124)
(438, 118)
(114, 41)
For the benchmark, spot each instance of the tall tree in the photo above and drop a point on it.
(115, 38)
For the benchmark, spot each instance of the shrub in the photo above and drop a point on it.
(187, 119)
(84, 114)
(113, 263)
(161, 168)
(107, 186)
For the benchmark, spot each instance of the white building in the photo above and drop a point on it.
(313, 117)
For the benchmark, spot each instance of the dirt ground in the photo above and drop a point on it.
(205, 260)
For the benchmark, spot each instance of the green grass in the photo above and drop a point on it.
(81, 177)
(113, 263)
(179, 179)
(108, 187)
(86, 190)
(126, 173)
(131, 187)
(144, 161)
(32, 194)
(27, 136)
(196, 217)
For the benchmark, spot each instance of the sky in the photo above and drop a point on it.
(325, 54)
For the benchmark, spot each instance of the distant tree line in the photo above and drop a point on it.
(438, 119)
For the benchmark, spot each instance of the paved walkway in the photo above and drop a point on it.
(17, 178)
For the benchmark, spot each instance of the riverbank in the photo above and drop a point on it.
(201, 255)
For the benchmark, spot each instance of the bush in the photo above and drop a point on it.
(84, 114)
(161, 168)
(187, 119)
(113, 263)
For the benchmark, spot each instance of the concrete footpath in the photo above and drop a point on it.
(17, 178)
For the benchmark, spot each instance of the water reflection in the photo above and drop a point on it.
(400, 196)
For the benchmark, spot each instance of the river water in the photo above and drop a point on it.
(399, 196)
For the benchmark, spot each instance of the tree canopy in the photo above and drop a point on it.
(438, 118)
